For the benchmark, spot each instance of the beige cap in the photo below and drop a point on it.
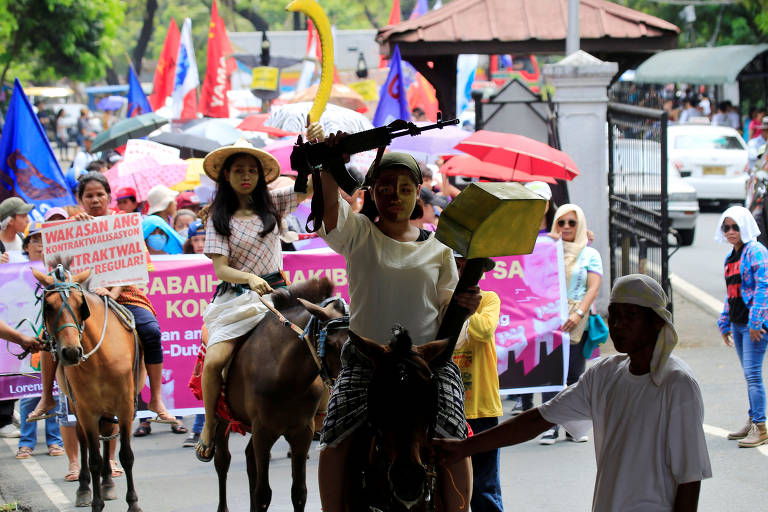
(159, 197)
(216, 158)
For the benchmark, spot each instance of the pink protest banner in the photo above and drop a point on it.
(19, 378)
(529, 343)
(111, 246)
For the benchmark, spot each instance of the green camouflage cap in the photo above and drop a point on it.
(393, 159)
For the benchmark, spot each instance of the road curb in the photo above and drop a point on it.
(694, 294)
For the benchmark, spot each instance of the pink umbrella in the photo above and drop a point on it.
(281, 149)
(144, 173)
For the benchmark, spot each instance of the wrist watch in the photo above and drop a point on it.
(580, 312)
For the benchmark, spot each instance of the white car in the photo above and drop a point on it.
(712, 159)
(636, 167)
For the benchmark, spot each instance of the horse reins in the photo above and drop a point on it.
(305, 334)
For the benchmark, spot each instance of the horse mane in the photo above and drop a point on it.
(313, 290)
(400, 343)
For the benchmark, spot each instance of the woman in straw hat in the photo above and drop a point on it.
(242, 239)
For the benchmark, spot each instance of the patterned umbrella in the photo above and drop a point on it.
(143, 173)
(293, 118)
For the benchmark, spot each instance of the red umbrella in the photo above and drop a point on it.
(471, 167)
(519, 153)
(255, 123)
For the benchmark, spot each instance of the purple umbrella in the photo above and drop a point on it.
(432, 142)
(111, 103)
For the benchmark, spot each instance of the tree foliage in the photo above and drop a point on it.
(743, 22)
(49, 39)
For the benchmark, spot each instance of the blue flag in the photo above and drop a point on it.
(28, 167)
(137, 100)
(393, 103)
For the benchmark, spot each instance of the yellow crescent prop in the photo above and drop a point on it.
(313, 10)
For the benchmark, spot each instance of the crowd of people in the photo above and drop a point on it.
(385, 231)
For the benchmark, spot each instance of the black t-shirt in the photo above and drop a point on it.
(738, 313)
(423, 235)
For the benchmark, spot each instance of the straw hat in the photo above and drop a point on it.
(215, 159)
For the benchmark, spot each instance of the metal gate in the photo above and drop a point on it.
(637, 188)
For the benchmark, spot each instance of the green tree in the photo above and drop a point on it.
(742, 22)
(57, 38)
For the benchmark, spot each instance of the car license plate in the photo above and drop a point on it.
(713, 170)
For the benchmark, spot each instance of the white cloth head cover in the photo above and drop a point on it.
(746, 222)
(571, 250)
(642, 290)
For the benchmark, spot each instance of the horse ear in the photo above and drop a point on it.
(82, 276)
(324, 314)
(368, 348)
(42, 278)
(434, 349)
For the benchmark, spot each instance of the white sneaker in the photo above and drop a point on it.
(549, 437)
(9, 431)
(16, 420)
(582, 439)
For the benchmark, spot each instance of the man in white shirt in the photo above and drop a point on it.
(645, 406)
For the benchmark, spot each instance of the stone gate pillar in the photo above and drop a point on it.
(581, 84)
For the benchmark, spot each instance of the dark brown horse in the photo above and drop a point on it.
(387, 462)
(97, 354)
(274, 387)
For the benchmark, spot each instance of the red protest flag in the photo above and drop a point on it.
(394, 19)
(166, 67)
(213, 98)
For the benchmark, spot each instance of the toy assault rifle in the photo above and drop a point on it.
(309, 156)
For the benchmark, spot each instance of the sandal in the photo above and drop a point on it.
(24, 452)
(144, 429)
(55, 450)
(202, 448)
(73, 474)
(116, 470)
(179, 428)
(38, 413)
(164, 417)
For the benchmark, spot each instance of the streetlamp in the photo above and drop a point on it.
(362, 67)
(265, 45)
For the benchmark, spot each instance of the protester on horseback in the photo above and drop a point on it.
(398, 273)
(242, 240)
(93, 194)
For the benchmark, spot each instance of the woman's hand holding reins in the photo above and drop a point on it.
(259, 285)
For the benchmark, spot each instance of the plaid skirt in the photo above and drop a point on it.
(348, 405)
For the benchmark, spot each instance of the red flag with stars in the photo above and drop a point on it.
(166, 67)
(213, 99)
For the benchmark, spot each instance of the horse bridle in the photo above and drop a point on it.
(63, 285)
(317, 329)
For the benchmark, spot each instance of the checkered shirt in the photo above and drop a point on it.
(246, 250)
(348, 405)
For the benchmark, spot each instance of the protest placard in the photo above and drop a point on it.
(111, 246)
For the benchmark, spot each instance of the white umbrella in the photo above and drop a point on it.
(219, 130)
(293, 118)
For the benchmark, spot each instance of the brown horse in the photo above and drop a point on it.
(274, 387)
(387, 460)
(97, 354)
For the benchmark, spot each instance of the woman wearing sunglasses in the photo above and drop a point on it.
(745, 311)
(583, 274)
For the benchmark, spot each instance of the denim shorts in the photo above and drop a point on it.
(64, 415)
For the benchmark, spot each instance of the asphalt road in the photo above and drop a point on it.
(534, 477)
(701, 264)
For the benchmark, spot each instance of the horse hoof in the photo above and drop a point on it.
(109, 493)
(83, 498)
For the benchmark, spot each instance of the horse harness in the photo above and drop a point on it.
(64, 287)
(317, 329)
